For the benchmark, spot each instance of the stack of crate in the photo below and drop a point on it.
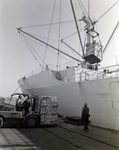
(48, 110)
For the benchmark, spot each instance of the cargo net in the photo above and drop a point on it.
(93, 52)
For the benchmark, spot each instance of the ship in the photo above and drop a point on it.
(80, 80)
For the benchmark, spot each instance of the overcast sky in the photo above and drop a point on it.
(15, 59)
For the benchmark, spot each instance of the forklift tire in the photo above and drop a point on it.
(1, 122)
(31, 122)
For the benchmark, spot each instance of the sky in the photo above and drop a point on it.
(15, 58)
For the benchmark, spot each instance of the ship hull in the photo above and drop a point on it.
(102, 97)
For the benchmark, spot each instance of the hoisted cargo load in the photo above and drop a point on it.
(93, 52)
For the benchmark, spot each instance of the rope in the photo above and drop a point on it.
(108, 10)
(40, 25)
(49, 30)
(26, 43)
(80, 5)
(46, 47)
(30, 47)
(59, 35)
(69, 36)
(85, 11)
(83, 7)
(43, 37)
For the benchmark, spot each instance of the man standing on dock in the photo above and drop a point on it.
(85, 115)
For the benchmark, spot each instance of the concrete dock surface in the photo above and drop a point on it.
(64, 136)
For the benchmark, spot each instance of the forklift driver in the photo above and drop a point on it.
(26, 105)
(19, 106)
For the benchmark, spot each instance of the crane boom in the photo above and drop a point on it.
(19, 30)
(77, 27)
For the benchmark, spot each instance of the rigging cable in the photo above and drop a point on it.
(49, 30)
(30, 47)
(41, 45)
(59, 35)
(81, 6)
(43, 37)
(107, 10)
(84, 38)
(41, 25)
(70, 48)
(69, 36)
(74, 15)
(80, 3)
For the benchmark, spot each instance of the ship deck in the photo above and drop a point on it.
(64, 136)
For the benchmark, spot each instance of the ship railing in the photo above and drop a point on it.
(68, 64)
(33, 72)
(50, 67)
(82, 74)
(108, 72)
(101, 73)
(42, 68)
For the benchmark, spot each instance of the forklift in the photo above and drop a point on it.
(26, 111)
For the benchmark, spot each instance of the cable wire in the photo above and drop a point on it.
(41, 25)
(59, 35)
(23, 38)
(108, 10)
(49, 30)
(30, 47)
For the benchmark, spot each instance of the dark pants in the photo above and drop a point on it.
(85, 122)
(26, 110)
(26, 107)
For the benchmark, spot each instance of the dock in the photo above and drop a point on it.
(64, 136)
